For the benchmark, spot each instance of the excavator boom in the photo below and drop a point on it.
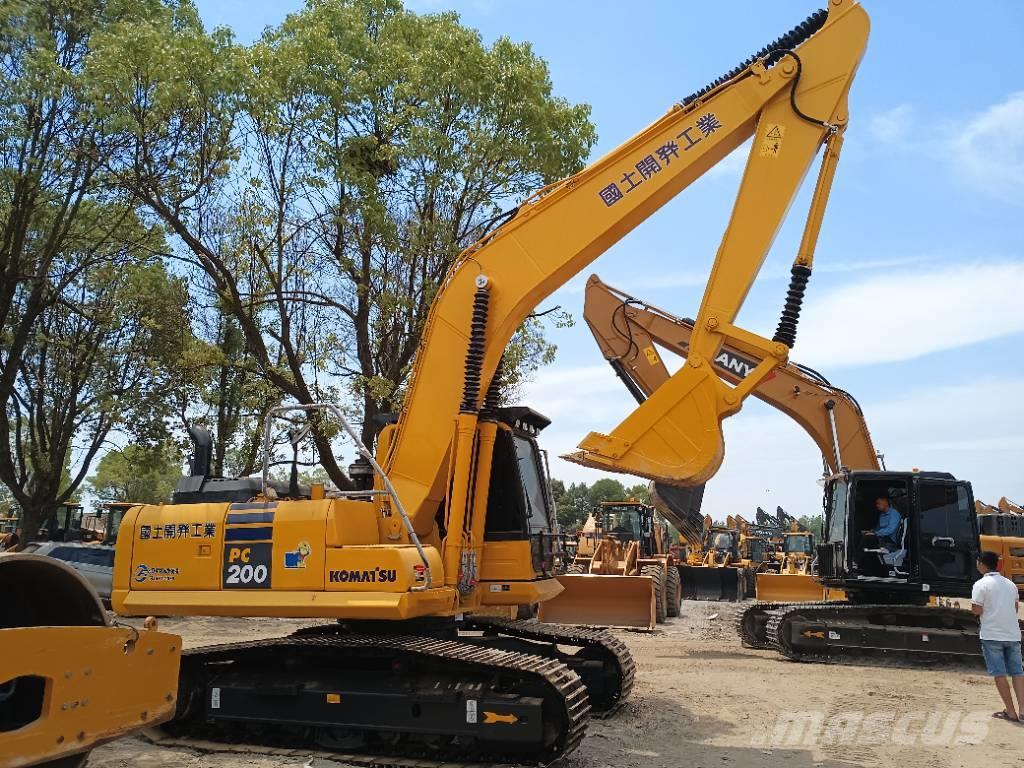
(792, 98)
(629, 332)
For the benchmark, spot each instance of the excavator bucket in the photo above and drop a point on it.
(602, 601)
(704, 583)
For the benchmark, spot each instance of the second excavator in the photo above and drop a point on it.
(886, 583)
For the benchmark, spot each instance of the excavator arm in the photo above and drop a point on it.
(629, 332)
(792, 98)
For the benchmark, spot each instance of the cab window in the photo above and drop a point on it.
(533, 485)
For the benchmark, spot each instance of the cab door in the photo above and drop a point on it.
(947, 535)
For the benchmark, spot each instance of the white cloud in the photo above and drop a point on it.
(907, 314)
(892, 126)
(972, 430)
(989, 149)
(731, 167)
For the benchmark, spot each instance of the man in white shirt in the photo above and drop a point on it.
(995, 601)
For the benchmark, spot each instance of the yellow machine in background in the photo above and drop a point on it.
(453, 511)
(69, 679)
(715, 570)
(1002, 532)
(793, 580)
(623, 574)
(629, 332)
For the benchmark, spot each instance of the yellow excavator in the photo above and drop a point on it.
(629, 332)
(442, 524)
(1008, 507)
(622, 575)
(902, 574)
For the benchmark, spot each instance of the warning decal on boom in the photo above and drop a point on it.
(771, 145)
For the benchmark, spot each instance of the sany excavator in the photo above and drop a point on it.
(885, 589)
(629, 332)
(403, 566)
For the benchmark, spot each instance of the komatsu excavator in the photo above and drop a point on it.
(935, 546)
(402, 565)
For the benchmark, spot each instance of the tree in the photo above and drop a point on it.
(138, 473)
(106, 356)
(812, 523)
(325, 179)
(87, 311)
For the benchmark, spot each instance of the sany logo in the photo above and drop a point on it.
(734, 363)
(737, 365)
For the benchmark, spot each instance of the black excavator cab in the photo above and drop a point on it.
(932, 552)
(519, 505)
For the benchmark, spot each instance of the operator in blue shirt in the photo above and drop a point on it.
(888, 524)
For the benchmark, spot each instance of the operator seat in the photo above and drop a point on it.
(892, 561)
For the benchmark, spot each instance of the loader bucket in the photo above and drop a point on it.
(788, 588)
(602, 601)
(703, 583)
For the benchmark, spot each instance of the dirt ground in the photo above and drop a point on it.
(703, 701)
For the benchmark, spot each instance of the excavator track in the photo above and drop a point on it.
(608, 686)
(752, 624)
(834, 633)
(384, 699)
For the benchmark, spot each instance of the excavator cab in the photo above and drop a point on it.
(798, 544)
(931, 552)
(520, 513)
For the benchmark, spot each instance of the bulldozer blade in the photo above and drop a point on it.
(794, 588)
(703, 583)
(602, 601)
(789, 588)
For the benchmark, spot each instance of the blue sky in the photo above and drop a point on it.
(915, 302)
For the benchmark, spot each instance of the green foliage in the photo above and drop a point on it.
(325, 178)
(812, 523)
(91, 322)
(575, 502)
(138, 473)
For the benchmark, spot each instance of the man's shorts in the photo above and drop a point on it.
(1002, 657)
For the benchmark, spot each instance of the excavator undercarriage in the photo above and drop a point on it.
(483, 690)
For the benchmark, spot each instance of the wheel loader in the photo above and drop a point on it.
(442, 525)
(716, 570)
(622, 575)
